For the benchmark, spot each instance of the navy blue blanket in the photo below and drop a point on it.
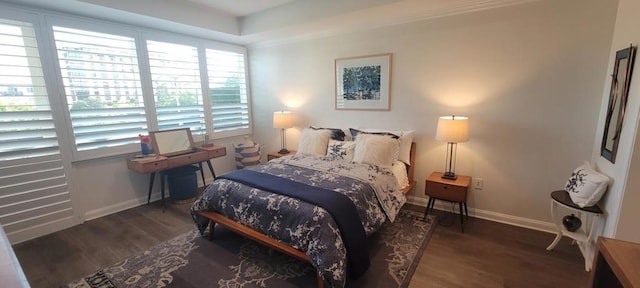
(340, 207)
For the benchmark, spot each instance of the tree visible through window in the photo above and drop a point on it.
(227, 90)
(175, 75)
(102, 84)
(26, 123)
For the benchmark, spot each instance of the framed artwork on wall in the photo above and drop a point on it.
(362, 83)
(620, 80)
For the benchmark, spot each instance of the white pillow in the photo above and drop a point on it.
(586, 186)
(355, 132)
(399, 170)
(341, 149)
(314, 142)
(406, 138)
(376, 149)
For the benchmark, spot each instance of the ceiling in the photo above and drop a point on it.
(264, 22)
(240, 7)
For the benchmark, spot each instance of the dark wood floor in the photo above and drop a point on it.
(488, 254)
(491, 254)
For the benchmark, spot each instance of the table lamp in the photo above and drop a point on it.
(283, 120)
(453, 130)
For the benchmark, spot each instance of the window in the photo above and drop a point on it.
(227, 90)
(26, 123)
(112, 94)
(35, 192)
(175, 75)
(95, 93)
(100, 118)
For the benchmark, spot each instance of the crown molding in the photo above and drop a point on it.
(338, 25)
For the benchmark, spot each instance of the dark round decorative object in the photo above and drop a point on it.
(571, 222)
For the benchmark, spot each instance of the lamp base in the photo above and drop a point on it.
(449, 175)
(283, 151)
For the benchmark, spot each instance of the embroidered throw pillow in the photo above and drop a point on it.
(586, 186)
(341, 149)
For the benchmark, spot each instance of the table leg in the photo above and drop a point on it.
(559, 235)
(555, 241)
(152, 177)
(202, 174)
(588, 256)
(162, 176)
(466, 212)
(211, 169)
(426, 211)
(461, 217)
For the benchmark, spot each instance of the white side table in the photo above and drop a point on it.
(585, 236)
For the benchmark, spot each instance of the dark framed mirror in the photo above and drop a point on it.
(620, 80)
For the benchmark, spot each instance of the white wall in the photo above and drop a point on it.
(624, 194)
(528, 76)
(627, 228)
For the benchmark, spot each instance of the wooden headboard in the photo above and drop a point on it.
(411, 169)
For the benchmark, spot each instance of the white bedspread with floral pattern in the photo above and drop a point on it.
(373, 190)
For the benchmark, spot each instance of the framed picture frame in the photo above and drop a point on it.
(620, 81)
(363, 82)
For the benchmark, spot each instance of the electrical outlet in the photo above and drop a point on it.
(478, 183)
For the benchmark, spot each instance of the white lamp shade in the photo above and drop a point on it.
(282, 119)
(453, 129)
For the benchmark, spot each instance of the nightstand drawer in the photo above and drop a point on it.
(446, 191)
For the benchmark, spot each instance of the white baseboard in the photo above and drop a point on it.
(104, 211)
(41, 230)
(491, 216)
(55, 226)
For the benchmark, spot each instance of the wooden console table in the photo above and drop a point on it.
(616, 264)
(153, 164)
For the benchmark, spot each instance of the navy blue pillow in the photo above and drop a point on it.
(355, 132)
(336, 133)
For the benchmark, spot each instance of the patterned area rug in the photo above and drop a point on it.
(231, 260)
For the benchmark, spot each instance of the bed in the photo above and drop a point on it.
(296, 227)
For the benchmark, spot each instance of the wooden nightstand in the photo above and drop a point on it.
(438, 188)
(275, 154)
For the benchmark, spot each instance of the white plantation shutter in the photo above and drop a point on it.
(33, 127)
(102, 84)
(34, 194)
(228, 91)
(175, 75)
(89, 94)
(26, 124)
